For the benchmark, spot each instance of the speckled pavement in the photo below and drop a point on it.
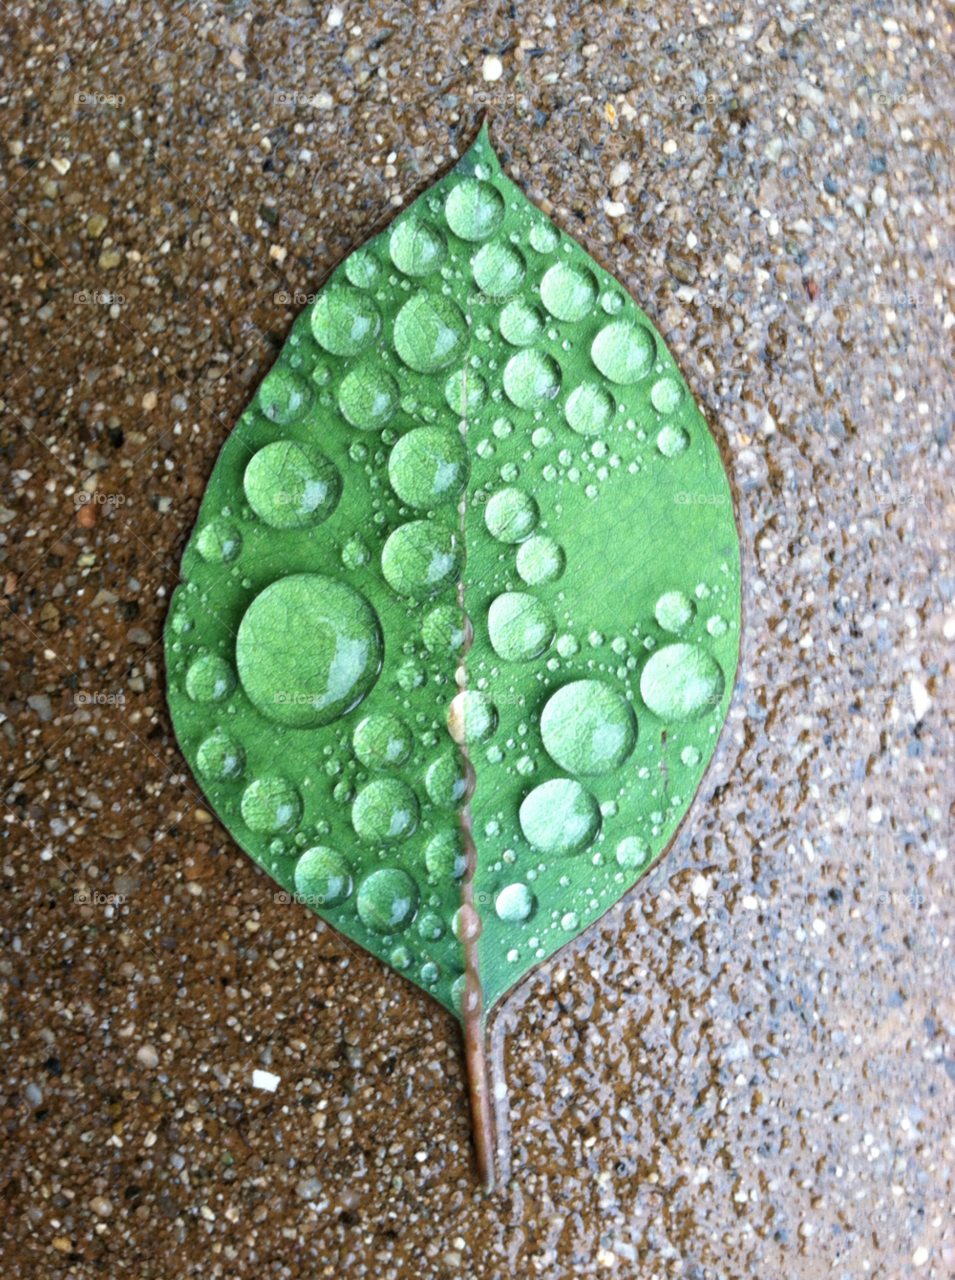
(748, 1069)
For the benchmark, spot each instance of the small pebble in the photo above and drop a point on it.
(265, 1080)
(101, 1206)
(493, 68)
(147, 1056)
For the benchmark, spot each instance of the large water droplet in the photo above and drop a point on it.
(210, 679)
(444, 857)
(521, 323)
(589, 409)
(420, 557)
(430, 333)
(291, 485)
(362, 268)
(674, 611)
(428, 467)
(560, 816)
(465, 392)
(472, 717)
(498, 269)
(666, 395)
(567, 292)
(284, 396)
(382, 741)
(474, 209)
(624, 352)
(632, 852)
(514, 903)
(219, 542)
(588, 729)
(308, 650)
(446, 629)
(385, 812)
(220, 757)
(368, 397)
(545, 237)
(672, 441)
(417, 247)
(449, 780)
(539, 560)
(511, 515)
(345, 321)
(520, 626)
(388, 900)
(270, 805)
(531, 379)
(323, 877)
(681, 682)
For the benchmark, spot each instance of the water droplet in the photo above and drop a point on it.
(613, 303)
(291, 485)
(588, 728)
(382, 741)
(567, 646)
(220, 757)
(498, 269)
(402, 958)
(345, 321)
(219, 542)
(385, 812)
(674, 611)
(567, 292)
(545, 237)
(446, 629)
(531, 379)
(355, 553)
(681, 682)
(542, 436)
(420, 557)
(417, 247)
(444, 856)
(690, 756)
(521, 323)
(539, 560)
(284, 396)
(672, 440)
(362, 269)
(323, 875)
(369, 397)
(430, 333)
(271, 804)
(632, 852)
(624, 352)
(449, 780)
(388, 900)
(428, 467)
(525, 766)
(570, 921)
(716, 626)
(210, 679)
(514, 903)
(308, 650)
(472, 717)
(520, 626)
(430, 972)
(465, 392)
(560, 816)
(589, 409)
(430, 928)
(511, 515)
(474, 209)
(666, 395)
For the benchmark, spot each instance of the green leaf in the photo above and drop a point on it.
(467, 564)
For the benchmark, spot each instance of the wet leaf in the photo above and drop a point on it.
(468, 563)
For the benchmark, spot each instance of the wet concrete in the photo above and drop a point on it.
(748, 1069)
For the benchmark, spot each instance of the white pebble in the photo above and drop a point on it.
(620, 174)
(700, 887)
(920, 1256)
(750, 903)
(493, 68)
(819, 926)
(875, 815)
(921, 702)
(335, 16)
(147, 1056)
(265, 1080)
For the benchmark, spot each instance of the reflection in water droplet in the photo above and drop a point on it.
(465, 392)
(284, 396)
(445, 629)
(430, 333)
(514, 903)
(382, 741)
(420, 558)
(444, 857)
(674, 611)
(560, 816)
(345, 321)
(588, 728)
(428, 467)
(666, 395)
(632, 852)
(220, 757)
(624, 352)
(308, 650)
(368, 397)
(219, 542)
(472, 717)
(672, 440)
(589, 409)
(681, 682)
(210, 679)
(567, 292)
(271, 804)
(521, 323)
(511, 515)
(540, 559)
(291, 485)
(417, 247)
(498, 269)
(388, 900)
(449, 780)
(520, 626)
(474, 209)
(385, 811)
(531, 379)
(323, 875)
